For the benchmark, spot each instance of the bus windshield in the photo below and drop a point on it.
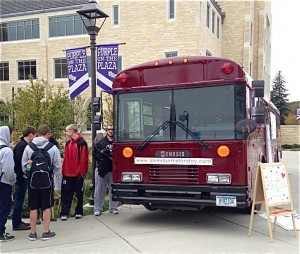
(210, 113)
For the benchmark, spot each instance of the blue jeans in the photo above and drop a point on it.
(21, 189)
(5, 203)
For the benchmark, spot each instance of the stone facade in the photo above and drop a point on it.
(148, 34)
(290, 134)
(247, 37)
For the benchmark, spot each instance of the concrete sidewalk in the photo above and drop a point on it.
(72, 236)
(136, 230)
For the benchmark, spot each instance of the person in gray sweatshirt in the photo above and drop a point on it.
(7, 179)
(41, 198)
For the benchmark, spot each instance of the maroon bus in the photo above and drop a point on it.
(189, 133)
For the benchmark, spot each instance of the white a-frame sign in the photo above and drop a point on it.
(272, 189)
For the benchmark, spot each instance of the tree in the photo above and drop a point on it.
(291, 119)
(279, 96)
(40, 103)
(108, 111)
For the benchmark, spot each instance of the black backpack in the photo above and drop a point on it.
(97, 150)
(41, 168)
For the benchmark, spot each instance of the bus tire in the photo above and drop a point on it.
(149, 207)
(248, 209)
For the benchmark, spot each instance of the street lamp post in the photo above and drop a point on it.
(90, 13)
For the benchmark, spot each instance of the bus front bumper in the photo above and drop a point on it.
(180, 195)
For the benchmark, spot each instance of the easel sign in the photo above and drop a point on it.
(272, 189)
(276, 184)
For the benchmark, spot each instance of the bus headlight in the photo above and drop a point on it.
(218, 178)
(131, 177)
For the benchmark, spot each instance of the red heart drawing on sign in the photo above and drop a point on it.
(283, 175)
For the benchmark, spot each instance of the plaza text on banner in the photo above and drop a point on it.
(107, 65)
(77, 71)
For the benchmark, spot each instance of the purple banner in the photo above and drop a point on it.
(77, 71)
(107, 65)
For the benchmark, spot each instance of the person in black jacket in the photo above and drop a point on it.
(53, 140)
(22, 182)
(102, 153)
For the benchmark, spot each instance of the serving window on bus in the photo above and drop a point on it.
(210, 113)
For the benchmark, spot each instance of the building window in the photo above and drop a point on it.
(251, 33)
(4, 71)
(20, 30)
(171, 9)
(171, 54)
(218, 27)
(60, 68)
(208, 15)
(120, 65)
(116, 15)
(200, 10)
(26, 69)
(208, 53)
(66, 26)
(213, 22)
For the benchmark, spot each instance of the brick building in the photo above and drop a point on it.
(33, 35)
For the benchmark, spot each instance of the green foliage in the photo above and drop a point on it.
(291, 119)
(108, 111)
(293, 147)
(293, 106)
(40, 103)
(279, 96)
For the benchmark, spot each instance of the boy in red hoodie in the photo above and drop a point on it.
(74, 169)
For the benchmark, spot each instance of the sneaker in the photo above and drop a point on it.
(64, 217)
(53, 219)
(6, 237)
(78, 216)
(21, 227)
(47, 236)
(38, 222)
(32, 236)
(114, 211)
(25, 223)
(97, 213)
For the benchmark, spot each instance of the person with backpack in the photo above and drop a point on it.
(7, 179)
(74, 169)
(41, 159)
(22, 182)
(102, 152)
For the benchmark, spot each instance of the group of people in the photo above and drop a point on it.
(31, 166)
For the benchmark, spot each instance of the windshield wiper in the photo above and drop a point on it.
(153, 135)
(165, 125)
(183, 127)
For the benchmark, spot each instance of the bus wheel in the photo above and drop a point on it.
(149, 207)
(248, 209)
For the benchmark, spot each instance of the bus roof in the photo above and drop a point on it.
(184, 70)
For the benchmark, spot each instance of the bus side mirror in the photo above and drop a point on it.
(258, 87)
(246, 126)
(258, 114)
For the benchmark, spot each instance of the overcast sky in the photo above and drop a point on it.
(286, 44)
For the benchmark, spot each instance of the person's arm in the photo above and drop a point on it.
(56, 159)
(84, 159)
(26, 156)
(8, 164)
(18, 153)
